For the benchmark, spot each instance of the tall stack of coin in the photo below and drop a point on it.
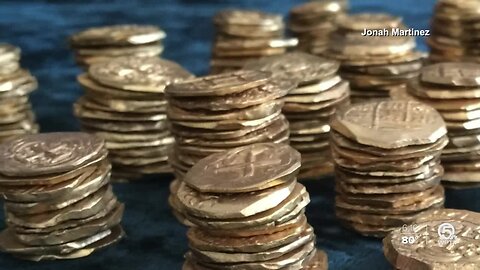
(16, 116)
(374, 65)
(248, 211)
(387, 157)
(103, 43)
(440, 239)
(243, 35)
(58, 200)
(308, 107)
(217, 112)
(125, 104)
(455, 31)
(454, 90)
(313, 23)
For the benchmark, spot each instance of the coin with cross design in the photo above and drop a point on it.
(452, 74)
(245, 169)
(48, 153)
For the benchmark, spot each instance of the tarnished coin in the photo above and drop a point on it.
(33, 155)
(390, 124)
(249, 168)
(361, 21)
(440, 243)
(298, 66)
(219, 85)
(247, 17)
(118, 35)
(150, 74)
(452, 74)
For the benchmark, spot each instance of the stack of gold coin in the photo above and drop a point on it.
(16, 116)
(313, 23)
(454, 90)
(103, 43)
(440, 239)
(125, 104)
(374, 64)
(248, 211)
(218, 112)
(59, 203)
(455, 31)
(387, 157)
(309, 106)
(243, 35)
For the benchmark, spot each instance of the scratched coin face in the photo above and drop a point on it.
(448, 243)
(118, 35)
(221, 84)
(301, 67)
(452, 74)
(138, 74)
(48, 153)
(390, 124)
(244, 169)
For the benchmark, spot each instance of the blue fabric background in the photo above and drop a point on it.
(155, 240)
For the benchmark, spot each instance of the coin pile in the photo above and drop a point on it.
(454, 90)
(103, 43)
(217, 112)
(248, 211)
(374, 65)
(309, 106)
(59, 203)
(455, 31)
(387, 157)
(243, 35)
(441, 239)
(313, 23)
(125, 104)
(16, 116)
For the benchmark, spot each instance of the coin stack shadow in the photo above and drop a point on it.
(59, 203)
(313, 23)
(248, 211)
(453, 90)
(103, 43)
(243, 35)
(455, 32)
(16, 115)
(435, 234)
(125, 104)
(374, 65)
(387, 164)
(309, 107)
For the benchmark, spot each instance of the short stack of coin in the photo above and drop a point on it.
(125, 104)
(440, 239)
(308, 107)
(248, 211)
(455, 31)
(243, 35)
(313, 23)
(454, 90)
(210, 114)
(103, 43)
(16, 116)
(387, 163)
(59, 203)
(374, 65)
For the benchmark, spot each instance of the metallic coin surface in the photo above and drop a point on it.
(48, 153)
(390, 124)
(138, 74)
(361, 21)
(118, 35)
(247, 17)
(249, 168)
(452, 74)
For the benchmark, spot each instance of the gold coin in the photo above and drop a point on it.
(415, 88)
(117, 35)
(334, 93)
(452, 74)
(355, 178)
(258, 166)
(247, 17)
(361, 21)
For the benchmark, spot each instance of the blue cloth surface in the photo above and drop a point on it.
(155, 240)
